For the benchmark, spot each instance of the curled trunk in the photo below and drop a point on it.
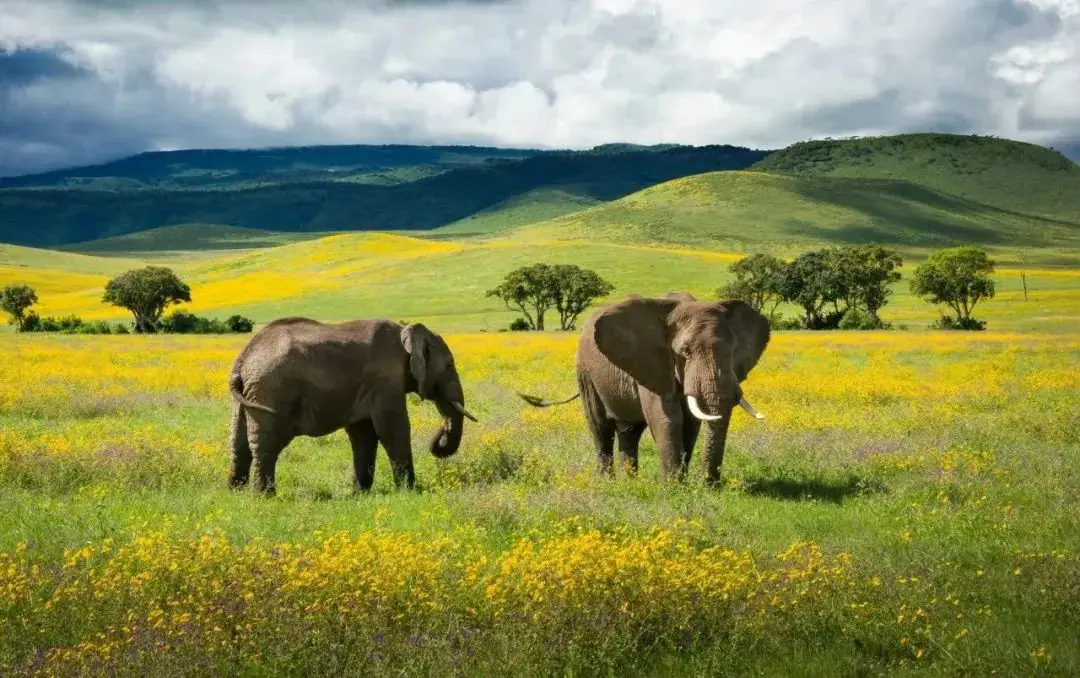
(448, 438)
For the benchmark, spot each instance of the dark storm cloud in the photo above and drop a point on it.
(85, 81)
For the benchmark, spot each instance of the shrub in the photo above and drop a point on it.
(519, 325)
(947, 322)
(857, 319)
(239, 324)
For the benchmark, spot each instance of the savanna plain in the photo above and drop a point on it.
(911, 503)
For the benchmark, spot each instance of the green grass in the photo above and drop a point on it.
(1002, 173)
(187, 238)
(528, 208)
(946, 465)
(747, 211)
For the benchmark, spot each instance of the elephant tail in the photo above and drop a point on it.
(236, 388)
(540, 402)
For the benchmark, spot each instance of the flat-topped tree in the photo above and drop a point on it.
(146, 292)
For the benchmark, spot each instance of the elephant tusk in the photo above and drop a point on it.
(750, 409)
(460, 408)
(695, 410)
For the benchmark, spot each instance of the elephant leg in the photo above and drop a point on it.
(691, 429)
(715, 442)
(601, 427)
(392, 429)
(365, 444)
(240, 470)
(629, 438)
(665, 419)
(266, 442)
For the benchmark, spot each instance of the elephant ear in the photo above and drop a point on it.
(633, 335)
(416, 338)
(750, 331)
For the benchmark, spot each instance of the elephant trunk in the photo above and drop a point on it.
(451, 404)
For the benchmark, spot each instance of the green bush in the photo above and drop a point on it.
(947, 322)
(239, 324)
(181, 322)
(857, 319)
(519, 325)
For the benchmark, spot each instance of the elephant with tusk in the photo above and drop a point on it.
(667, 364)
(300, 377)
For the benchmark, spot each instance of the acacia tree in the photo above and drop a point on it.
(574, 289)
(534, 290)
(146, 292)
(757, 281)
(958, 277)
(16, 300)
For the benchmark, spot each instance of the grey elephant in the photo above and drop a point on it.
(668, 365)
(300, 377)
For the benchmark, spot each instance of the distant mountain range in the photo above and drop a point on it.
(917, 185)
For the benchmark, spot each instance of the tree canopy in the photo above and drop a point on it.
(535, 289)
(958, 277)
(16, 300)
(146, 292)
(757, 281)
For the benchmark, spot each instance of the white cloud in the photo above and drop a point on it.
(541, 73)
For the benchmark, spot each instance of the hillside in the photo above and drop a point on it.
(443, 284)
(246, 168)
(1009, 175)
(750, 210)
(188, 238)
(51, 217)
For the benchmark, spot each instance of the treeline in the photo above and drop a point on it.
(840, 287)
(845, 287)
(146, 292)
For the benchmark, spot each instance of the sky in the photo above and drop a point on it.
(88, 81)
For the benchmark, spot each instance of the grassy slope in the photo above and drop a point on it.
(743, 211)
(188, 238)
(314, 204)
(1006, 174)
(443, 283)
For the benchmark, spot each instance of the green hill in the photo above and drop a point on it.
(204, 169)
(188, 238)
(51, 217)
(1009, 175)
(748, 210)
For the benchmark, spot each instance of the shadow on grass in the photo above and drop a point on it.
(833, 491)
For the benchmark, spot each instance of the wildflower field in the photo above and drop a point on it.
(911, 502)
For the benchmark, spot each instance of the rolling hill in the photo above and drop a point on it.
(203, 169)
(750, 210)
(564, 181)
(1009, 175)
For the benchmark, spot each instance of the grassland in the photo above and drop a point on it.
(442, 282)
(910, 501)
(910, 504)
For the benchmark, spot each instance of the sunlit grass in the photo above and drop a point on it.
(911, 498)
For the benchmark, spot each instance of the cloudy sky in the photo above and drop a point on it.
(87, 81)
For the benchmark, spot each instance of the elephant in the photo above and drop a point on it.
(668, 365)
(300, 377)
